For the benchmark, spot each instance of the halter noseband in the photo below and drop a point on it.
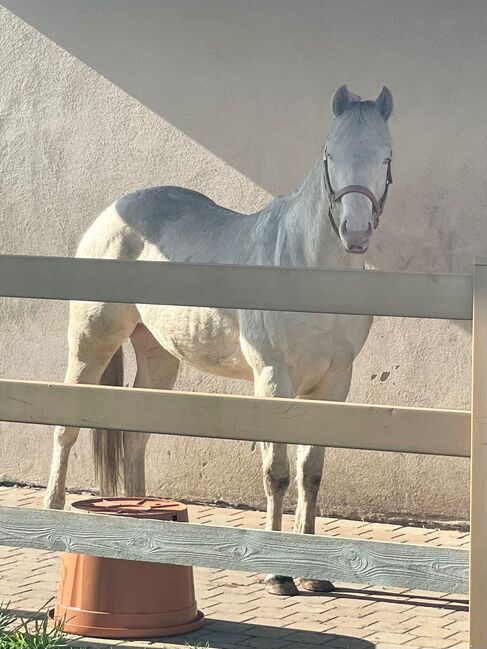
(333, 197)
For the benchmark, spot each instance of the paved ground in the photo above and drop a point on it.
(241, 615)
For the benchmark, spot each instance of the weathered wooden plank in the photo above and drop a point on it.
(478, 467)
(421, 295)
(345, 425)
(318, 557)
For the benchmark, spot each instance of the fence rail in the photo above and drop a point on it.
(312, 290)
(292, 421)
(315, 557)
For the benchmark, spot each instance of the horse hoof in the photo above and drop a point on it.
(317, 585)
(277, 585)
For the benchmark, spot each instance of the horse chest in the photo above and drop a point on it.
(310, 344)
(315, 338)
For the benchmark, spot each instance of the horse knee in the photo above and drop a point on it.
(309, 482)
(276, 482)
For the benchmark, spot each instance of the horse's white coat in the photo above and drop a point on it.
(285, 354)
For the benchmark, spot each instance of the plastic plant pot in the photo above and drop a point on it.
(117, 598)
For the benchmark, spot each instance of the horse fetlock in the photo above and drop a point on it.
(54, 502)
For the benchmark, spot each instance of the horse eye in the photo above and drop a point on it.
(387, 160)
(330, 157)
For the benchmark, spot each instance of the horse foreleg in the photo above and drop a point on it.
(309, 470)
(273, 381)
(275, 465)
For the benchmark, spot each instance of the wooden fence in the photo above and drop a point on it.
(385, 428)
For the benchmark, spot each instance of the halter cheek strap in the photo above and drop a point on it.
(333, 197)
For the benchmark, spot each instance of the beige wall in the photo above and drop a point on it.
(232, 98)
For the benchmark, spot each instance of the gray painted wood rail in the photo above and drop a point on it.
(318, 557)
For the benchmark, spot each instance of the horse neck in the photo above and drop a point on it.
(305, 236)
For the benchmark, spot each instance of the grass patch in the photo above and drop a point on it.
(17, 632)
(22, 633)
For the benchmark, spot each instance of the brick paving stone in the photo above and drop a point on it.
(265, 630)
(435, 643)
(359, 608)
(439, 610)
(390, 618)
(392, 606)
(281, 619)
(313, 616)
(432, 631)
(426, 620)
(297, 637)
(397, 638)
(351, 622)
(459, 639)
(306, 625)
(260, 623)
(458, 626)
(392, 627)
(266, 643)
(347, 643)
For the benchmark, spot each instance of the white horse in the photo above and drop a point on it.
(310, 356)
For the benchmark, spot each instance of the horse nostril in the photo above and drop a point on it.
(369, 229)
(344, 226)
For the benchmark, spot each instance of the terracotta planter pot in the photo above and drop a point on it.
(115, 598)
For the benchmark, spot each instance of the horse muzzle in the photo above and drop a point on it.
(355, 241)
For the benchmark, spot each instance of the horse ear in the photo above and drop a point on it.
(385, 103)
(343, 99)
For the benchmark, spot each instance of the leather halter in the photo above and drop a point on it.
(333, 197)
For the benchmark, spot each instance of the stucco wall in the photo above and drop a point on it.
(232, 98)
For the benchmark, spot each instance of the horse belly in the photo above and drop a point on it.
(207, 339)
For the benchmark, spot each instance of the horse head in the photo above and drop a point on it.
(357, 166)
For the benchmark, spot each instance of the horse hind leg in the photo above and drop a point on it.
(156, 368)
(96, 333)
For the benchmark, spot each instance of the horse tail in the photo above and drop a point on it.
(108, 444)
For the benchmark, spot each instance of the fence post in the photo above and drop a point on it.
(478, 465)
